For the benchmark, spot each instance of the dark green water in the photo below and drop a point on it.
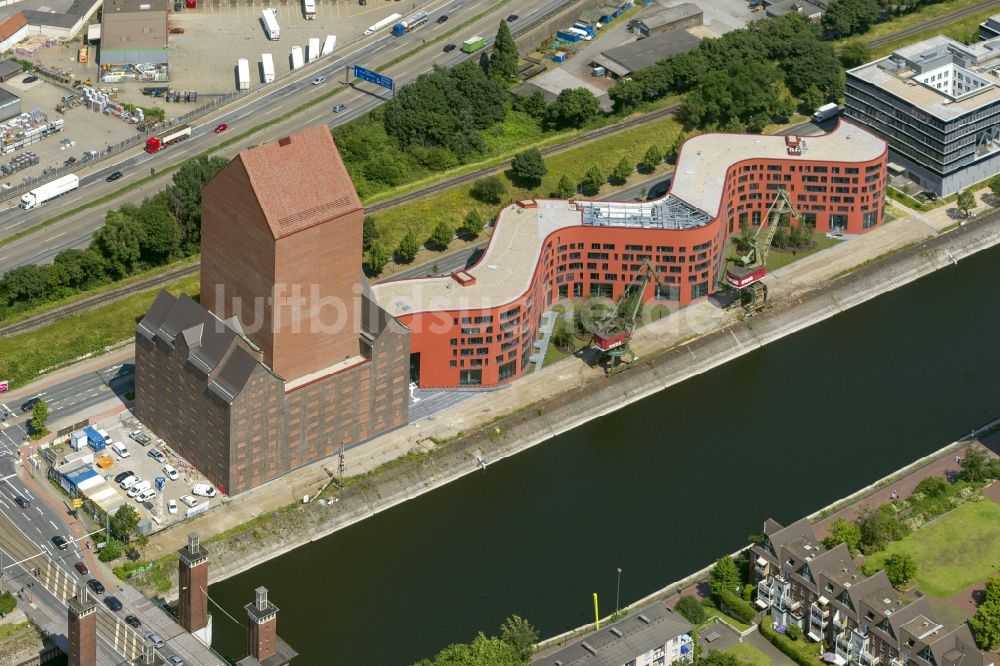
(660, 488)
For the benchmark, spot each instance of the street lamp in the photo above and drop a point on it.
(618, 590)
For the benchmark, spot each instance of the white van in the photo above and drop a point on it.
(146, 496)
(139, 488)
(105, 435)
(130, 481)
(120, 449)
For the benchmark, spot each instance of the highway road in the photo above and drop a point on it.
(76, 230)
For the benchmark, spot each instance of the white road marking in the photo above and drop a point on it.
(53, 526)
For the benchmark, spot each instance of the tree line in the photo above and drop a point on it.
(163, 228)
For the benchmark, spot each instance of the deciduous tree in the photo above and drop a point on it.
(369, 232)
(442, 236)
(974, 466)
(652, 159)
(566, 188)
(408, 248)
(376, 258)
(39, 415)
(844, 18)
(900, 568)
(622, 171)
(593, 180)
(846, 533)
(572, 108)
(529, 167)
(118, 243)
(854, 53)
(184, 196)
(125, 523)
(966, 201)
(879, 528)
(520, 635)
(473, 223)
(690, 609)
(489, 190)
(724, 576)
(482, 651)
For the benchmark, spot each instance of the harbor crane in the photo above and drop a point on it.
(613, 333)
(749, 270)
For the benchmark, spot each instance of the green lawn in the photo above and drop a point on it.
(711, 611)
(748, 654)
(911, 20)
(959, 549)
(27, 355)
(965, 30)
(452, 205)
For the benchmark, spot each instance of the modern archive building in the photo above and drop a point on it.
(937, 103)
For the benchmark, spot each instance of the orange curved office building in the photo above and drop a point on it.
(477, 327)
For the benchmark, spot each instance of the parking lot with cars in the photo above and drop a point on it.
(139, 460)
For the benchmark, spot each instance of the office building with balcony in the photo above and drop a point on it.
(863, 619)
(937, 104)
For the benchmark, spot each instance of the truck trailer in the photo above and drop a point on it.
(43, 193)
(826, 111)
(329, 45)
(473, 44)
(297, 60)
(157, 143)
(270, 18)
(387, 21)
(243, 74)
(267, 64)
(409, 24)
(313, 49)
(309, 9)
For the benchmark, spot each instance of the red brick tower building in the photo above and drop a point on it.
(192, 574)
(265, 647)
(281, 250)
(82, 621)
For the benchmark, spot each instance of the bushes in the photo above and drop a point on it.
(689, 608)
(7, 603)
(112, 550)
(800, 652)
(489, 190)
(736, 606)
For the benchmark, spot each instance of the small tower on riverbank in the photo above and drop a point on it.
(192, 575)
(266, 648)
(82, 629)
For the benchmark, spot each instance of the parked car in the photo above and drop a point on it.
(177, 31)
(191, 502)
(114, 176)
(170, 472)
(442, 18)
(318, 80)
(203, 490)
(448, 48)
(175, 660)
(133, 621)
(124, 475)
(140, 437)
(96, 585)
(113, 603)
(220, 128)
(133, 555)
(147, 495)
(21, 502)
(60, 542)
(29, 79)
(157, 456)
(513, 17)
(337, 108)
(172, 507)
(154, 639)
(129, 481)
(178, 6)
(139, 488)
(82, 568)
(27, 405)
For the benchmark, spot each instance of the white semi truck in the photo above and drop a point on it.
(384, 23)
(243, 73)
(271, 24)
(309, 9)
(43, 193)
(268, 64)
(297, 60)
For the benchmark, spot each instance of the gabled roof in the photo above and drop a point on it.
(800, 530)
(300, 181)
(9, 27)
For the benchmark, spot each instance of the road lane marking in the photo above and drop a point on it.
(53, 526)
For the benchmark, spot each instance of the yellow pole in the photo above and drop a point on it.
(597, 617)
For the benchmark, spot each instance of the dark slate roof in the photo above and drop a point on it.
(623, 641)
(212, 345)
(958, 648)
(799, 530)
(10, 67)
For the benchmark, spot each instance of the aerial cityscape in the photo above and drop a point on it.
(499, 332)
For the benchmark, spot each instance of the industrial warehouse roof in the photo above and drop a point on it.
(651, 50)
(704, 159)
(134, 25)
(670, 15)
(925, 73)
(6, 97)
(620, 643)
(300, 181)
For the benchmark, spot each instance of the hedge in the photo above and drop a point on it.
(737, 607)
(801, 652)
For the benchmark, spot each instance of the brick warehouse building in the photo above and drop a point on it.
(477, 327)
(287, 356)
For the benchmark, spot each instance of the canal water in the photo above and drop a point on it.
(659, 489)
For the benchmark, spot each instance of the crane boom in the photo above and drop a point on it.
(614, 331)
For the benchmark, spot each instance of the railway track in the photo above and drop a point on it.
(940, 21)
(99, 299)
(592, 135)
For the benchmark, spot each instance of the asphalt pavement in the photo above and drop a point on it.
(76, 230)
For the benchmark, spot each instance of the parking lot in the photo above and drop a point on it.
(89, 130)
(140, 463)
